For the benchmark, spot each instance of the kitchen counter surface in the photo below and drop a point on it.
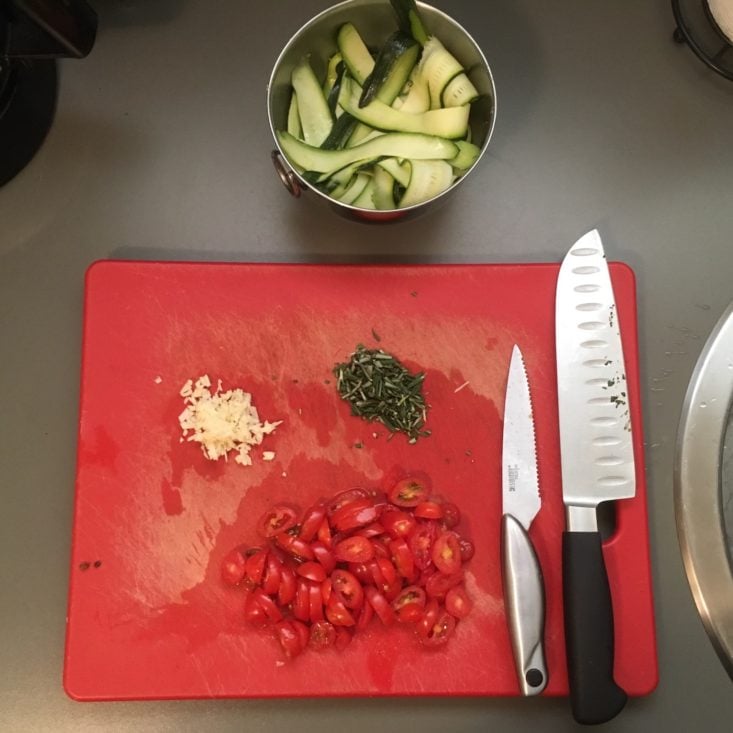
(160, 150)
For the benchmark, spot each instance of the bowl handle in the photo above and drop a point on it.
(288, 177)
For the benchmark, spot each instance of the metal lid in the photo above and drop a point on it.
(700, 491)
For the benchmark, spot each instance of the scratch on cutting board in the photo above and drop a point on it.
(202, 674)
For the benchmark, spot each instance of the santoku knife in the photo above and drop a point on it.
(523, 586)
(597, 465)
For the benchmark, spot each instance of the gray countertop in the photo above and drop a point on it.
(160, 150)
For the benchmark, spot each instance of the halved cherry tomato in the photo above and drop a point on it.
(402, 558)
(256, 560)
(289, 638)
(315, 610)
(398, 523)
(301, 604)
(429, 617)
(254, 613)
(467, 549)
(324, 556)
(312, 522)
(365, 616)
(354, 514)
(361, 571)
(389, 572)
(451, 515)
(337, 613)
(421, 544)
(354, 549)
(375, 529)
(288, 585)
(409, 492)
(438, 584)
(278, 519)
(343, 637)
(233, 567)
(271, 578)
(441, 630)
(347, 588)
(457, 603)
(375, 574)
(409, 613)
(446, 553)
(312, 571)
(324, 533)
(412, 595)
(345, 497)
(391, 591)
(303, 632)
(429, 510)
(326, 590)
(381, 548)
(268, 605)
(295, 546)
(322, 635)
(381, 606)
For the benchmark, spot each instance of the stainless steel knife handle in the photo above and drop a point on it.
(524, 598)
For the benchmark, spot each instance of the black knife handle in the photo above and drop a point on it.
(594, 695)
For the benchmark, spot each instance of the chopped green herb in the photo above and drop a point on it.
(380, 388)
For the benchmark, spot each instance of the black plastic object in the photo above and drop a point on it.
(697, 28)
(33, 33)
(594, 695)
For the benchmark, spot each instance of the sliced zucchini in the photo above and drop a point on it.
(383, 189)
(410, 20)
(346, 174)
(392, 145)
(315, 117)
(361, 134)
(332, 72)
(356, 55)
(458, 92)
(340, 133)
(360, 182)
(365, 199)
(439, 67)
(450, 123)
(468, 154)
(428, 179)
(294, 127)
(399, 171)
(418, 96)
(392, 69)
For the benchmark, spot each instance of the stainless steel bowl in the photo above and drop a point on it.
(375, 20)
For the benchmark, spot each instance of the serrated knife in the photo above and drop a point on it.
(524, 594)
(597, 465)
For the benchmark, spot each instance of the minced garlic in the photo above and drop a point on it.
(222, 421)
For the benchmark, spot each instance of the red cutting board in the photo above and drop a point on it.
(148, 616)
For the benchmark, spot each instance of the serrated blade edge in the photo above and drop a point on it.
(520, 485)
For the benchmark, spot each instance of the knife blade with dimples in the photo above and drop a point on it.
(597, 465)
(522, 575)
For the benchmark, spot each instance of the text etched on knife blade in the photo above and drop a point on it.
(512, 476)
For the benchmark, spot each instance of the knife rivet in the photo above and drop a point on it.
(534, 677)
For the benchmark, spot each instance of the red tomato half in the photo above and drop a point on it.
(279, 519)
(345, 497)
(288, 585)
(268, 605)
(429, 617)
(256, 564)
(301, 604)
(451, 515)
(354, 549)
(354, 514)
(312, 522)
(381, 606)
(312, 571)
(290, 638)
(233, 568)
(421, 544)
(429, 510)
(402, 558)
(322, 635)
(365, 616)
(441, 630)
(253, 611)
(397, 523)
(337, 613)
(347, 588)
(412, 595)
(324, 533)
(446, 553)
(409, 492)
(324, 556)
(271, 578)
(315, 602)
(457, 603)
